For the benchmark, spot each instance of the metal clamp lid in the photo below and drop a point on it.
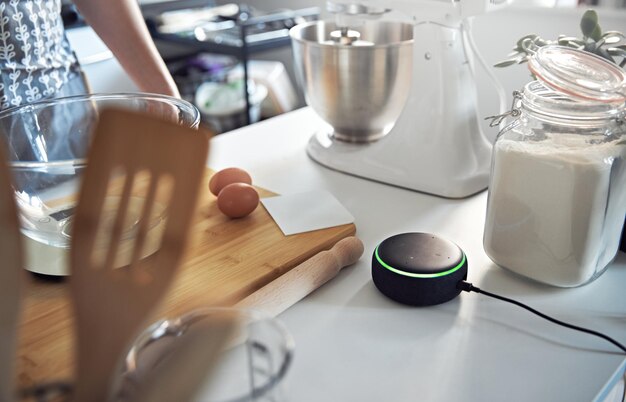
(514, 112)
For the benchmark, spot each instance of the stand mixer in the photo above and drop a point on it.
(399, 98)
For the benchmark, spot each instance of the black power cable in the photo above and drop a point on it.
(468, 287)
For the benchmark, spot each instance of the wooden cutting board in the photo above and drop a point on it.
(226, 260)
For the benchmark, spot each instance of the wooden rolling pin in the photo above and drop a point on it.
(183, 373)
(283, 292)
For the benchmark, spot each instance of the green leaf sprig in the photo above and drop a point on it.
(610, 45)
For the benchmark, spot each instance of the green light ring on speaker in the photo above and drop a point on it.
(414, 275)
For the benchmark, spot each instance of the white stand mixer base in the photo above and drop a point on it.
(392, 161)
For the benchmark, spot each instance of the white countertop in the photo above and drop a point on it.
(353, 344)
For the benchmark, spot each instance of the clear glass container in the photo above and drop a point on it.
(47, 144)
(251, 366)
(557, 195)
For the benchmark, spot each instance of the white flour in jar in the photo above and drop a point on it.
(556, 207)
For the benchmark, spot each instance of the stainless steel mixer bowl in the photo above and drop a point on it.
(360, 89)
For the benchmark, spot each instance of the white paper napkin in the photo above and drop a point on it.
(304, 212)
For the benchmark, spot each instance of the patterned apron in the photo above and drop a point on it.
(36, 59)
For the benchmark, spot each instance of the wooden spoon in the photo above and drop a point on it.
(112, 303)
(10, 280)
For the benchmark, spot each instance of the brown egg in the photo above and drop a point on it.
(228, 176)
(237, 200)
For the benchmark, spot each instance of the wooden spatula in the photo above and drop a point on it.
(11, 274)
(130, 152)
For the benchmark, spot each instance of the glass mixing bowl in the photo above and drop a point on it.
(47, 143)
(251, 366)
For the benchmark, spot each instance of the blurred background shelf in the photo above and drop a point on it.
(246, 43)
(201, 32)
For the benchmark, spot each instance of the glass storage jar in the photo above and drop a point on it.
(557, 193)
